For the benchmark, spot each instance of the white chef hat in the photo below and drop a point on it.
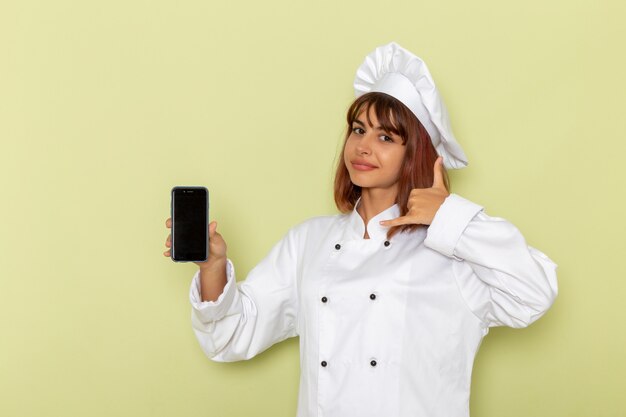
(393, 70)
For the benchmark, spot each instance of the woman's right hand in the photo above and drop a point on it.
(213, 270)
(217, 246)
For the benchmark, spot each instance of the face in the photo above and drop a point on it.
(373, 156)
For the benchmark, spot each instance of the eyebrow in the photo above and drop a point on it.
(375, 127)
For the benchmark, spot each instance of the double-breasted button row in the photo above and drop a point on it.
(387, 244)
(373, 363)
(324, 299)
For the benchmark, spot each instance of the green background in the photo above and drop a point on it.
(104, 106)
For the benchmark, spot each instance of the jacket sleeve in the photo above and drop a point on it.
(249, 317)
(504, 281)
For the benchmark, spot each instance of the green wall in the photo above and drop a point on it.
(104, 106)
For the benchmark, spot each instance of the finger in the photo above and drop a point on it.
(166, 253)
(212, 228)
(438, 171)
(168, 223)
(398, 221)
(168, 241)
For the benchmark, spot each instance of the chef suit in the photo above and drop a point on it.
(387, 327)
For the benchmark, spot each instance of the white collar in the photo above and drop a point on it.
(356, 226)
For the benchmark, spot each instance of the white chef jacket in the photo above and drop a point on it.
(388, 328)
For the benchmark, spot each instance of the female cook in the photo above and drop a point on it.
(392, 298)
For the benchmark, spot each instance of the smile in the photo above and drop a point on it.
(361, 165)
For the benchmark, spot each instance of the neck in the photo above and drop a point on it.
(374, 201)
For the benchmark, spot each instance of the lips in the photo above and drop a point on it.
(361, 165)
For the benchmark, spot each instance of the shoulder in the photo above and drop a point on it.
(319, 223)
(319, 227)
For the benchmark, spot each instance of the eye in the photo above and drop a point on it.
(386, 138)
(358, 130)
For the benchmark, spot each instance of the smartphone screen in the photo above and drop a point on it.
(190, 224)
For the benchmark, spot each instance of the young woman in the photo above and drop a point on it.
(392, 298)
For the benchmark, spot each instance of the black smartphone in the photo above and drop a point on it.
(190, 224)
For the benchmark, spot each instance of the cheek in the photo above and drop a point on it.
(394, 160)
(401, 158)
(348, 148)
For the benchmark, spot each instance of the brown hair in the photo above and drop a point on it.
(419, 159)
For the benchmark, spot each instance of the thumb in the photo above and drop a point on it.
(438, 174)
(212, 229)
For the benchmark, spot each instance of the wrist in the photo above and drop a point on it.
(213, 264)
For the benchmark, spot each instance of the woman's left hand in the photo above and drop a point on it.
(423, 202)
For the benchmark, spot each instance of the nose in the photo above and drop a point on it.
(364, 146)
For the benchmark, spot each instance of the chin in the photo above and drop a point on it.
(364, 183)
(359, 182)
(367, 184)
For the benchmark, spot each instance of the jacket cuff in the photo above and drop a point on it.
(208, 311)
(449, 223)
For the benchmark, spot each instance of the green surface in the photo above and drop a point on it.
(104, 106)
